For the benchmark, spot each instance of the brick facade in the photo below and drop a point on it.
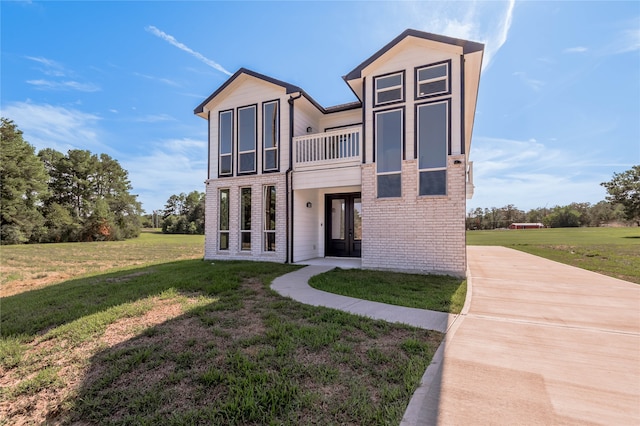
(256, 183)
(422, 234)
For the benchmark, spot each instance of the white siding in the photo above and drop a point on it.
(327, 178)
(341, 119)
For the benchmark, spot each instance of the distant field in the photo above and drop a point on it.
(610, 251)
(25, 267)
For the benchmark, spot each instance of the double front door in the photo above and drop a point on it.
(343, 219)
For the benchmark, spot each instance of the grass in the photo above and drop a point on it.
(25, 267)
(193, 342)
(434, 292)
(609, 251)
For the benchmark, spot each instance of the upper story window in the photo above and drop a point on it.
(270, 135)
(388, 88)
(432, 140)
(389, 145)
(225, 140)
(247, 135)
(433, 80)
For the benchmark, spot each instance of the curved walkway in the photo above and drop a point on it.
(542, 343)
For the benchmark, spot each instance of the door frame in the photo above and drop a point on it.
(349, 246)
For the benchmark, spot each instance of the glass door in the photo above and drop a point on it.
(343, 219)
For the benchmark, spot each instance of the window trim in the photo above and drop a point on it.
(220, 230)
(447, 79)
(241, 217)
(266, 222)
(416, 148)
(403, 86)
(402, 142)
(230, 154)
(264, 146)
(255, 140)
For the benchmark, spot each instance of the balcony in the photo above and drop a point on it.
(337, 148)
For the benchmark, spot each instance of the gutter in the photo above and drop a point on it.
(289, 218)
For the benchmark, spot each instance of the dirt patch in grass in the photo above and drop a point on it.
(72, 364)
(246, 356)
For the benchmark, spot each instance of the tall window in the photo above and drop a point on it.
(389, 131)
(433, 145)
(269, 222)
(270, 135)
(389, 88)
(225, 140)
(247, 139)
(223, 222)
(245, 219)
(433, 80)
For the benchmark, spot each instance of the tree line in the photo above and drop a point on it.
(182, 214)
(56, 197)
(622, 205)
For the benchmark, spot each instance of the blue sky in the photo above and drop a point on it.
(558, 110)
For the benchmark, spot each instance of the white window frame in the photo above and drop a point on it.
(265, 136)
(244, 230)
(445, 144)
(226, 154)
(377, 91)
(255, 140)
(266, 221)
(402, 147)
(445, 77)
(220, 229)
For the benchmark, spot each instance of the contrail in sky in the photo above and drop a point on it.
(171, 39)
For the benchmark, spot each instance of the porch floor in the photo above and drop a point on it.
(339, 262)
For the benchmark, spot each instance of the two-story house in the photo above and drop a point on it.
(384, 178)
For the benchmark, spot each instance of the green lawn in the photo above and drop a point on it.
(190, 342)
(610, 251)
(434, 292)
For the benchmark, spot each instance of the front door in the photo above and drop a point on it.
(343, 219)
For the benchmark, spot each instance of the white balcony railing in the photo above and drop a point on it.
(319, 150)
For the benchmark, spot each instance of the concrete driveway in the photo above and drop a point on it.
(542, 343)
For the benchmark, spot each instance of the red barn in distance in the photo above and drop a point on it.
(526, 226)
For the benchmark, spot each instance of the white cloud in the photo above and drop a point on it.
(160, 79)
(154, 118)
(484, 22)
(170, 39)
(531, 82)
(171, 167)
(577, 49)
(64, 85)
(530, 174)
(51, 67)
(48, 126)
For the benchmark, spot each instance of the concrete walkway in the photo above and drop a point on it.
(542, 343)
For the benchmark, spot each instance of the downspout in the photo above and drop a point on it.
(289, 214)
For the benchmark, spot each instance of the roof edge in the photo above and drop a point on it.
(290, 88)
(467, 47)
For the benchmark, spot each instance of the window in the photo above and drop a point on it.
(389, 130)
(269, 225)
(245, 219)
(432, 147)
(389, 88)
(223, 223)
(270, 135)
(433, 80)
(247, 139)
(225, 140)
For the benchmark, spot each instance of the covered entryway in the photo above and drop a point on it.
(343, 231)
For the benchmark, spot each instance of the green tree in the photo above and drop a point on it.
(624, 189)
(23, 183)
(184, 214)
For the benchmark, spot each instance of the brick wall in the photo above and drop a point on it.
(422, 234)
(256, 182)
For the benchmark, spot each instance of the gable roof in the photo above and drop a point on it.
(290, 88)
(467, 47)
